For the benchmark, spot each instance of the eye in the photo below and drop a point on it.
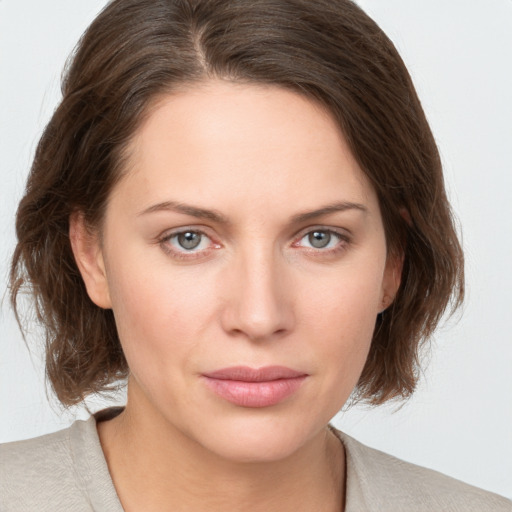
(188, 244)
(188, 241)
(326, 239)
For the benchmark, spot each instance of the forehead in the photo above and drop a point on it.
(266, 144)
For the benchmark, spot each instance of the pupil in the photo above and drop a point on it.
(189, 240)
(319, 239)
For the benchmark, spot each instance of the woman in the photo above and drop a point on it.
(239, 207)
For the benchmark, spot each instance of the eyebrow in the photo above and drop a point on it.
(216, 216)
(327, 210)
(186, 209)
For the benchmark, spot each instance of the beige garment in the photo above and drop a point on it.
(67, 472)
(378, 482)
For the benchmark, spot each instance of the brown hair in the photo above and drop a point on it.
(329, 51)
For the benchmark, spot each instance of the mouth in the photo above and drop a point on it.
(251, 387)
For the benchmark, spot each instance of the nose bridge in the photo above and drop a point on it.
(258, 305)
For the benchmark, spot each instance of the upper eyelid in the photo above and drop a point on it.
(342, 232)
(169, 233)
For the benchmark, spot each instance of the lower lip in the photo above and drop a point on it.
(255, 394)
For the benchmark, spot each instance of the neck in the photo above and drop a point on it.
(186, 476)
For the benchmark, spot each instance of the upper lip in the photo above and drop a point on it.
(248, 374)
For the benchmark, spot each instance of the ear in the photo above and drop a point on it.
(392, 278)
(88, 254)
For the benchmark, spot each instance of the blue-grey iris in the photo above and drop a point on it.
(319, 239)
(189, 240)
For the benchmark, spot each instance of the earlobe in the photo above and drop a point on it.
(393, 272)
(392, 279)
(88, 255)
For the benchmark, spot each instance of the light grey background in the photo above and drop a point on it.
(459, 53)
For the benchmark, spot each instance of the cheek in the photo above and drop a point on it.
(340, 317)
(347, 301)
(157, 313)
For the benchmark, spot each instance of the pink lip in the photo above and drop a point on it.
(249, 387)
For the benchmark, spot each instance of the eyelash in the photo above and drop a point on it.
(164, 242)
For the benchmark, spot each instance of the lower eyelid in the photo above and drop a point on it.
(183, 254)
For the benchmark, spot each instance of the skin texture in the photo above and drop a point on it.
(255, 292)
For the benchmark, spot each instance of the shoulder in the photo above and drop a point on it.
(385, 483)
(41, 473)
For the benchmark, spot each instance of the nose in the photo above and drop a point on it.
(259, 304)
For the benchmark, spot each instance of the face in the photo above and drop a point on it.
(244, 257)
